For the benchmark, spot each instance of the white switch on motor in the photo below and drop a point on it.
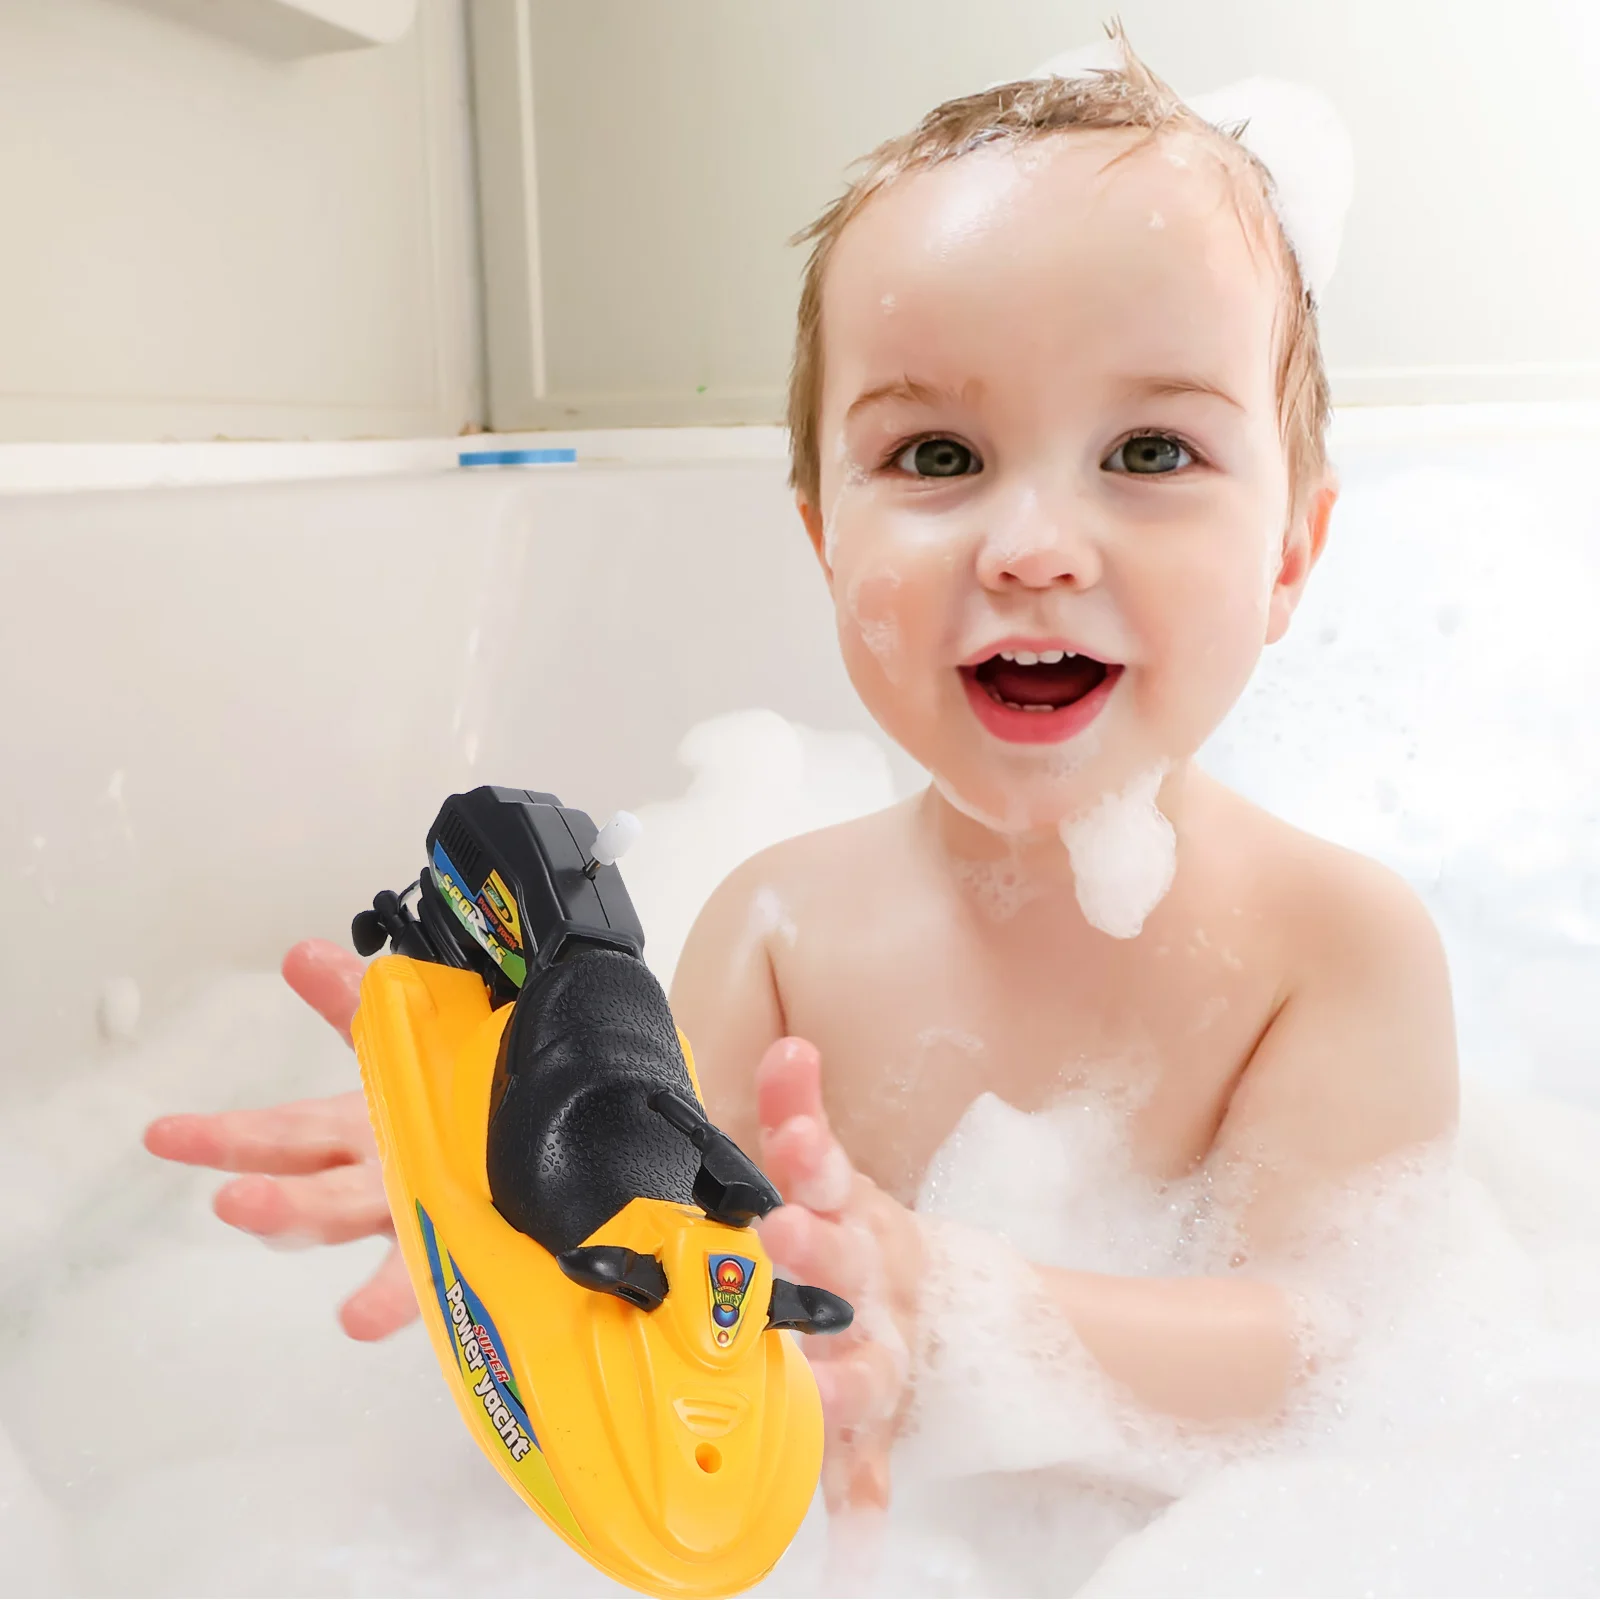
(616, 839)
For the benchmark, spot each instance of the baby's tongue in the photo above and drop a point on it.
(1058, 684)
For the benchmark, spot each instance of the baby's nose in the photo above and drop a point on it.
(1038, 548)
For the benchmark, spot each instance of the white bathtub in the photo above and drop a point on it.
(231, 712)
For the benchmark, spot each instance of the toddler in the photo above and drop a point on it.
(1057, 418)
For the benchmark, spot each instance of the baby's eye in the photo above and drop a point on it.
(1149, 455)
(937, 458)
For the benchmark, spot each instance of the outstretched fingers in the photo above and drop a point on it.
(812, 1249)
(789, 1083)
(328, 978)
(859, 1383)
(303, 1136)
(384, 1304)
(329, 1207)
(798, 1149)
(855, 1472)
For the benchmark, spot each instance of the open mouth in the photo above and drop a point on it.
(1038, 696)
(1038, 682)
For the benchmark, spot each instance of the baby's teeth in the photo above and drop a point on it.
(1048, 658)
(1008, 655)
(1026, 658)
(1038, 708)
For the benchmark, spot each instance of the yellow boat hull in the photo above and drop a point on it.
(678, 1450)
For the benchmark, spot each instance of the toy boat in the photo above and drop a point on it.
(578, 1234)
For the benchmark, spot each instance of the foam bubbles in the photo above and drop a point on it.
(754, 779)
(769, 917)
(1000, 889)
(34, 1554)
(1124, 854)
(1452, 1300)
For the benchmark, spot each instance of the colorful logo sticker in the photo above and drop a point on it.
(475, 919)
(501, 905)
(730, 1283)
(491, 1383)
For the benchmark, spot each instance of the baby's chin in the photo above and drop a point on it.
(1029, 793)
(1024, 791)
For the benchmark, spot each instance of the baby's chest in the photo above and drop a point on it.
(913, 1030)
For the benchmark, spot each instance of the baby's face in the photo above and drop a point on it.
(1054, 502)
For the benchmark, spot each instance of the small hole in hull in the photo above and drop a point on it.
(707, 1457)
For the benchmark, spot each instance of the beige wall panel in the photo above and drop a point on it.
(679, 143)
(204, 239)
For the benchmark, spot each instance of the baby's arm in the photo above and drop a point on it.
(1357, 1062)
(725, 999)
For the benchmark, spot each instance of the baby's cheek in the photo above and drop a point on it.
(871, 608)
(1210, 639)
(894, 603)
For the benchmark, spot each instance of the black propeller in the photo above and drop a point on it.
(613, 1269)
(729, 1187)
(807, 1309)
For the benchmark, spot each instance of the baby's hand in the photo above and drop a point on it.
(838, 1230)
(312, 1168)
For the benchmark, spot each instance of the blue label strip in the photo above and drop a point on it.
(479, 1315)
(548, 457)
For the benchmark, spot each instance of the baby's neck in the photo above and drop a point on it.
(1040, 853)
(1107, 871)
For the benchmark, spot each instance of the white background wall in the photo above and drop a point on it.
(203, 239)
(680, 143)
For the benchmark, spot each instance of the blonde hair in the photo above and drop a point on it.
(1021, 113)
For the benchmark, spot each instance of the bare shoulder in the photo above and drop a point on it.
(1318, 901)
(1359, 1057)
(725, 993)
(799, 877)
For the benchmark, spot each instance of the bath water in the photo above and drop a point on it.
(180, 1413)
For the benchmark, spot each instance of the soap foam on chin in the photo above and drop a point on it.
(1032, 766)
(1124, 856)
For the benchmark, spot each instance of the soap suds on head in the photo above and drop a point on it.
(1124, 855)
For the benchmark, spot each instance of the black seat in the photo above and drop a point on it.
(572, 1136)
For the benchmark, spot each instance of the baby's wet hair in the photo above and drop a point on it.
(1130, 96)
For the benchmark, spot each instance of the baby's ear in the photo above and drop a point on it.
(813, 521)
(1302, 545)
